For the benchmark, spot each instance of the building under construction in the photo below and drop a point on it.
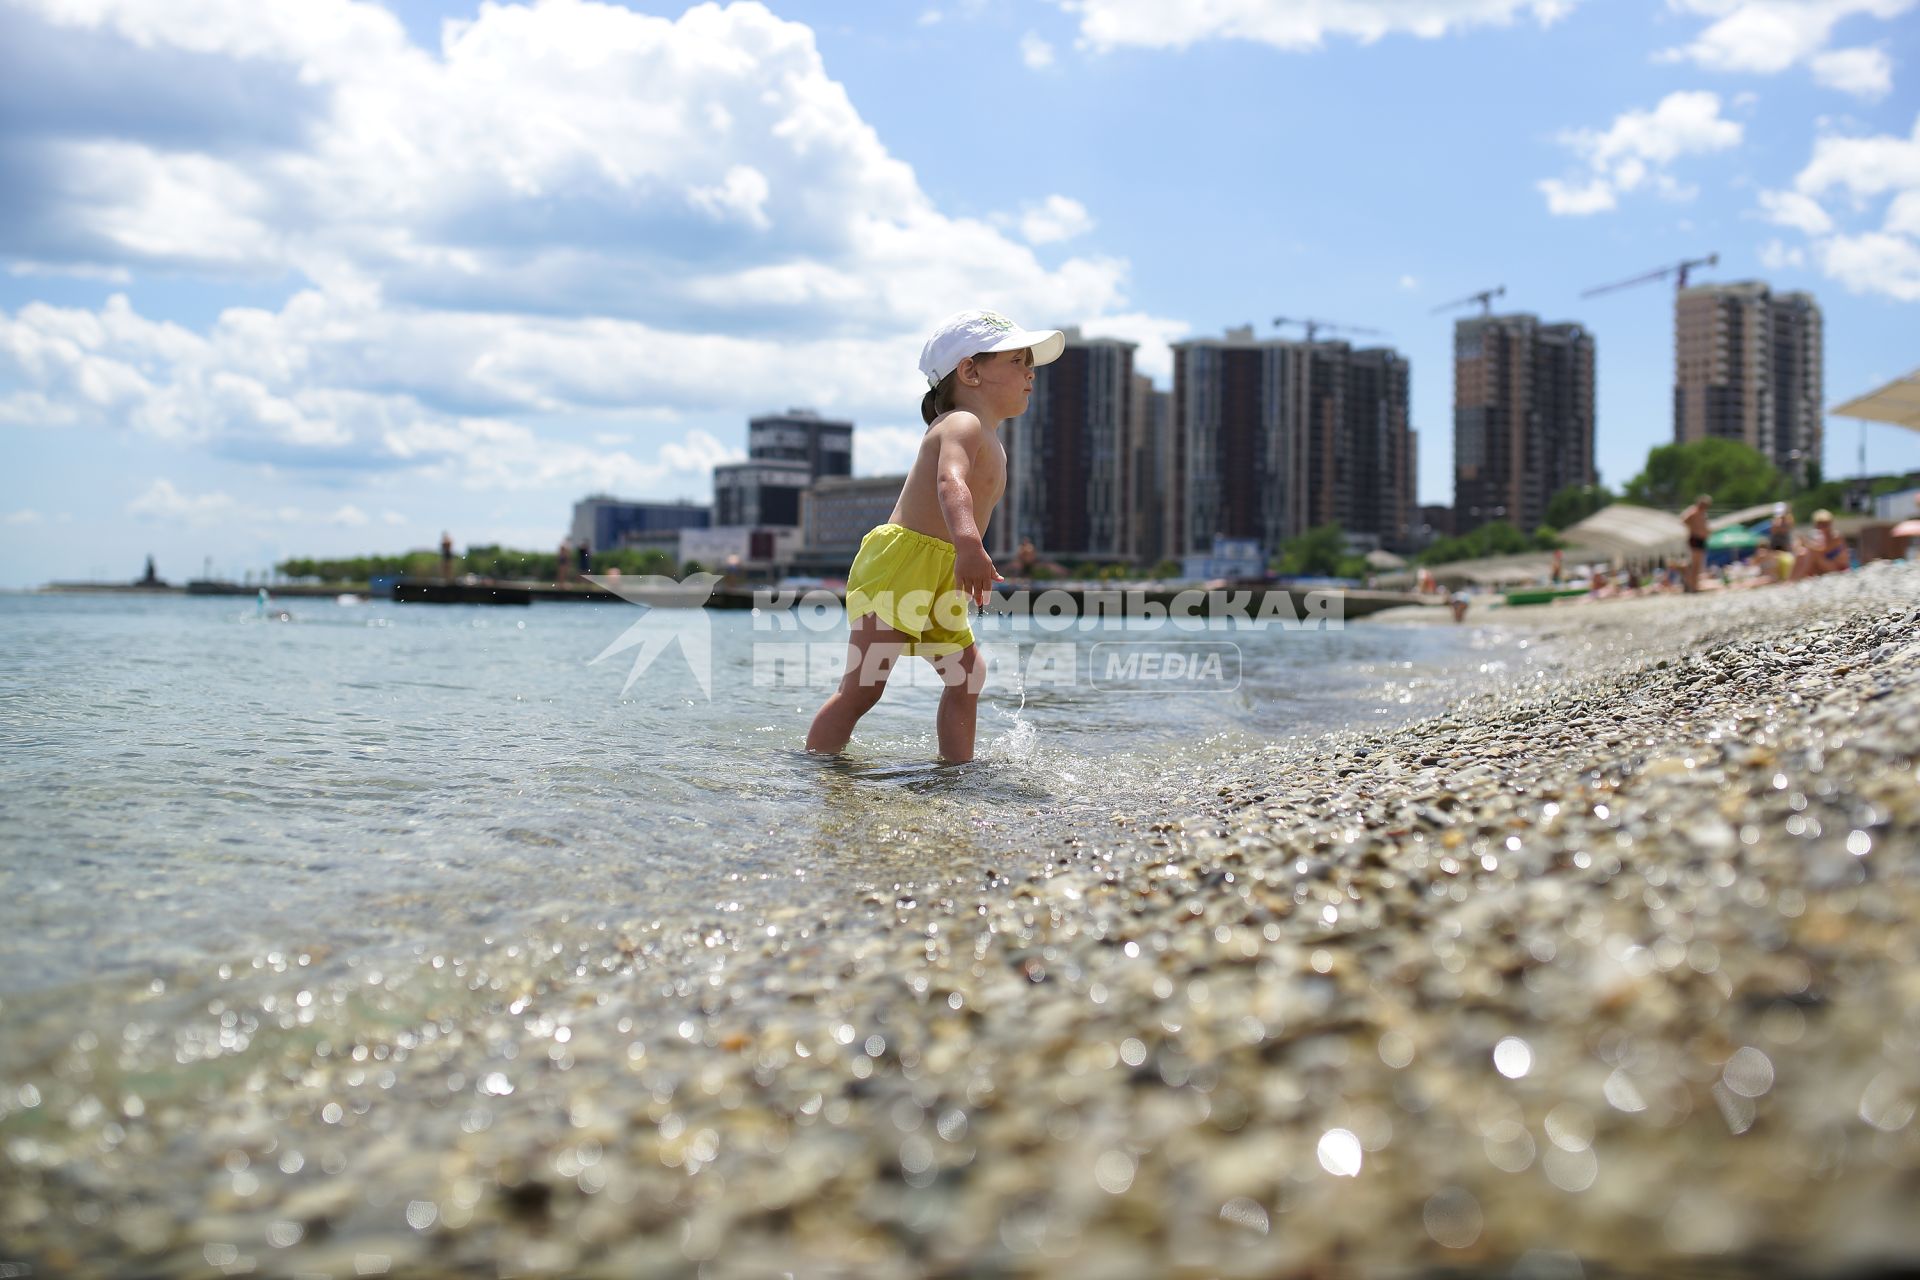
(1274, 437)
(1523, 416)
(1748, 367)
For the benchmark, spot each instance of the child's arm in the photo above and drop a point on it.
(961, 440)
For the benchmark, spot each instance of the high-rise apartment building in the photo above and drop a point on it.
(1523, 417)
(1150, 459)
(1748, 367)
(759, 492)
(801, 435)
(786, 452)
(1069, 456)
(1384, 446)
(1275, 437)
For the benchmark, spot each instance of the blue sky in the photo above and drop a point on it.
(331, 276)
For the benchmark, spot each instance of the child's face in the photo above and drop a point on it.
(1006, 380)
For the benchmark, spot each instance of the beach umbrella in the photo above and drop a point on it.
(1733, 538)
(1898, 403)
(1907, 529)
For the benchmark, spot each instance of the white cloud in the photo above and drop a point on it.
(699, 175)
(569, 210)
(107, 275)
(1574, 200)
(1792, 209)
(1765, 37)
(886, 451)
(1862, 167)
(698, 454)
(1778, 256)
(25, 516)
(1903, 214)
(1636, 148)
(392, 518)
(741, 195)
(1035, 52)
(1862, 171)
(1054, 219)
(1409, 283)
(1864, 73)
(1292, 24)
(1874, 263)
(162, 502)
(1154, 335)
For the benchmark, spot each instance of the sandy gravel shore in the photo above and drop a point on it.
(1610, 971)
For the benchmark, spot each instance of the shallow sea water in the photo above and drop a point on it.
(185, 781)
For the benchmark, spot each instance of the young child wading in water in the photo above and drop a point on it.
(908, 590)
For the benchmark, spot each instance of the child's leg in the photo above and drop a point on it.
(964, 675)
(872, 649)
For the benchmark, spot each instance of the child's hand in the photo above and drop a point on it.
(973, 571)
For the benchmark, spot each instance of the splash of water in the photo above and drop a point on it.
(1020, 744)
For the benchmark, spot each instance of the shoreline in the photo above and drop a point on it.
(1551, 973)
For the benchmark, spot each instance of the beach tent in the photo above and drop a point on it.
(1627, 532)
(1499, 571)
(1746, 515)
(1897, 403)
(1379, 559)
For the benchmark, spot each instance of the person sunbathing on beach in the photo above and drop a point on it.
(1825, 552)
(1778, 561)
(913, 577)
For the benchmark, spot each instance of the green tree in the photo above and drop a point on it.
(1832, 495)
(1735, 474)
(1167, 569)
(634, 560)
(1497, 538)
(1575, 503)
(1317, 553)
(343, 569)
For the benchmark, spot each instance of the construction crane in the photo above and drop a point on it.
(1679, 268)
(1315, 326)
(1485, 298)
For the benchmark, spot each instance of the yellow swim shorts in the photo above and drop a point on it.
(905, 578)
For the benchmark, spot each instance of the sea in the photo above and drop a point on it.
(190, 783)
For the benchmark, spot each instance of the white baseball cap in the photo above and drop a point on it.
(973, 333)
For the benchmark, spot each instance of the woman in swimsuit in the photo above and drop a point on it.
(1826, 553)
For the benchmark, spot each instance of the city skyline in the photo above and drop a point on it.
(332, 279)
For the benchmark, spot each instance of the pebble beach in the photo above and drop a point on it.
(1608, 969)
